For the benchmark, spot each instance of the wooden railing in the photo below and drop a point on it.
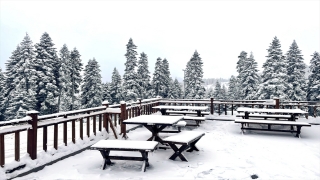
(97, 119)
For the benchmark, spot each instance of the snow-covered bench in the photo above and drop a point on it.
(198, 120)
(185, 112)
(187, 140)
(269, 123)
(265, 116)
(105, 146)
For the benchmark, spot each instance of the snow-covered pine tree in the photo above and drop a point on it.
(165, 78)
(156, 79)
(91, 89)
(250, 79)
(274, 76)
(296, 74)
(176, 89)
(223, 93)
(210, 93)
(241, 66)
(116, 87)
(75, 78)
(217, 91)
(46, 71)
(22, 95)
(233, 93)
(130, 84)
(313, 92)
(193, 78)
(2, 89)
(143, 76)
(64, 81)
(106, 95)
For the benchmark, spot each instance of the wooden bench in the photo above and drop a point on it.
(198, 120)
(266, 116)
(269, 123)
(186, 112)
(105, 146)
(187, 140)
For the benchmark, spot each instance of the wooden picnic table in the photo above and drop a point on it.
(292, 112)
(155, 124)
(198, 109)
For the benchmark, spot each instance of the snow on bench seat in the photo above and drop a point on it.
(194, 118)
(270, 122)
(265, 115)
(187, 140)
(105, 146)
(122, 144)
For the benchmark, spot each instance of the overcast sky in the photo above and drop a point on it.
(218, 30)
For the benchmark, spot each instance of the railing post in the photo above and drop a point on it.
(32, 134)
(277, 103)
(2, 156)
(123, 116)
(211, 109)
(105, 121)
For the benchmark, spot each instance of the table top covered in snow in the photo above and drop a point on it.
(153, 119)
(124, 144)
(182, 107)
(259, 110)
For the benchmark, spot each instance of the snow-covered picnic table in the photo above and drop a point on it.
(155, 124)
(293, 112)
(198, 109)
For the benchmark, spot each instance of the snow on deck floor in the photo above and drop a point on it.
(224, 154)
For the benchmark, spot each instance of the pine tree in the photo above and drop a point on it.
(144, 76)
(130, 84)
(193, 78)
(116, 87)
(21, 94)
(91, 89)
(174, 89)
(241, 66)
(106, 95)
(250, 79)
(210, 93)
(165, 78)
(274, 76)
(233, 93)
(217, 91)
(156, 79)
(313, 92)
(2, 89)
(64, 81)
(46, 71)
(75, 78)
(296, 74)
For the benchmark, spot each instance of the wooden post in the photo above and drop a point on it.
(277, 103)
(55, 136)
(45, 138)
(88, 125)
(81, 128)
(65, 134)
(2, 157)
(32, 134)
(94, 125)
(105, 120)
(17, 146)
(212, 108)
(232, 108)
(123, 117)
(73, 131)
(100, 117)
(139, 109)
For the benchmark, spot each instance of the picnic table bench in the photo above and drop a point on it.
(266, 116)
(105, 146)
(198, 120)
(269, 123)
(187, 140)
(186, 112)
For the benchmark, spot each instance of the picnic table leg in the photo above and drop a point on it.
(246, 115)
(178, 152)
(163, 111)
(193, 146)
(106, 160)
(155, 133)
(298, 131)
(144, 155)
(198, 113)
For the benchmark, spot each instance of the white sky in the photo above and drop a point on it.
(218, 30)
